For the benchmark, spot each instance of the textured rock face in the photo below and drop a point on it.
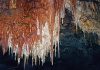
(86, 16)
(88, 12)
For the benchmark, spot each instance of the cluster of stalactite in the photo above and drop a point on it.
(31, 27)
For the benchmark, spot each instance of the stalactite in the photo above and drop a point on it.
(33, 28)
(12, 4)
